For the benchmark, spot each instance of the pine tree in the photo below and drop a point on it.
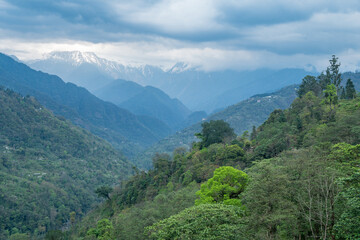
(350, 90)
(333, 73)
(309, 83)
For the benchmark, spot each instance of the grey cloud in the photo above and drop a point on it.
(283, 27)
(89, 20)
(260, 12)
(262, 15)
(81, 20)
(85, 12)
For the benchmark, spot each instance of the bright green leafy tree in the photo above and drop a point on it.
(103, 231)
(207, 221)
(224, 187)
(330, 95)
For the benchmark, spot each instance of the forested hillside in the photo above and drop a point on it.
(294, 177)
(241, 117)
(49, 168)
(179, 120)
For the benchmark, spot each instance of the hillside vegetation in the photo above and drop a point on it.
(49, 168)
(241, 117)
(294, 177)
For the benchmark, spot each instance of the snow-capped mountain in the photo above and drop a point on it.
(181, 67)
(195, 88)
(77, 58)
(88, 70)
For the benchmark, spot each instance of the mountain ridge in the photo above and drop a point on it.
(147, 101)
(155, 103)
(102, 118)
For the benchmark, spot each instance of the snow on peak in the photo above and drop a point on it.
(76, 57)
(180, 67)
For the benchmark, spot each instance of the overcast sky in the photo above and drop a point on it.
(210, 34)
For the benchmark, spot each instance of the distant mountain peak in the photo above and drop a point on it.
(180, 67)
(76, 57)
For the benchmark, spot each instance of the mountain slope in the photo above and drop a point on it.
(253, 111)
(145, 101)
(241, 116)
(155, 103)
(48, 167)
(119, 91)
(117, 125)
(265, 80)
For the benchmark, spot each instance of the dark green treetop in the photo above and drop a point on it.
(333, 72)
(104, 191)
(350, 92)
(308, 84)
(215, 131)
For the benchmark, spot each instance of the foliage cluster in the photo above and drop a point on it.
(215, 132)
(307, 192)
(241, 117)
(167, 189)
(303, 169)
(309, 121)
(331, 77)
(224, 187)
(206, 221)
